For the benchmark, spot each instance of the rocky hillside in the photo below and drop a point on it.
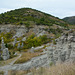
(28, 16)
(70, 20)
(29, 25)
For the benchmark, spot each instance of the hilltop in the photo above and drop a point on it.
(70, 20)
(29, 16)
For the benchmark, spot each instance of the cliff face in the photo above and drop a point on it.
(22, 30)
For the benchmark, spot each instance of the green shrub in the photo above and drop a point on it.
(35, 41)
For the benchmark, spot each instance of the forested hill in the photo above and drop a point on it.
(27, 16)
(70, 20)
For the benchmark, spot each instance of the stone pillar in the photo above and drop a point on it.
(32, 50)
(0, 56)
(68, 51)
(22, 45)
(18, 46)
(2, 44)
(15, 41)
(50, 55)
(65, 40)
(5, 54)
(72, 53)
(63, 56)
(44, 51)
(55, 54)
(59, 56)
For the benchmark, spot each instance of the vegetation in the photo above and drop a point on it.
(6, 36)
(55, 31)
(70, 20)
(1, 72)
(33, 41)
(59, 69)
(27, 16)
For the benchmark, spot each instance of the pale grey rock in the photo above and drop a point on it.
(18, 46)
(2, 44)
(41, 34)
(15, 41)
(15, 54)
(0, 56)
(22, 45)
(32, 50)
(50, 54)
(5, 54)
(44, 51)
(55, 55)
(24, 39)
(39, 47)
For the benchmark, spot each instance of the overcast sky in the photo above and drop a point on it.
(58, 8)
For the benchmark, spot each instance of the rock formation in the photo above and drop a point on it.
(22, 45)
(5, 54)
(15, 41)
(18, 46)
(32, 50)
(2, 44)
(65, 49)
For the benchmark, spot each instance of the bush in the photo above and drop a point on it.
(35, 41)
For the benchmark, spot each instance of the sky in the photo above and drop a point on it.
(58, 8)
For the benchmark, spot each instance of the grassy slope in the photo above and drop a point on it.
(70, 20)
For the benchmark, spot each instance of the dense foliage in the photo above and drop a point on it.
(33, 41)
(7, 37)
(28, 16)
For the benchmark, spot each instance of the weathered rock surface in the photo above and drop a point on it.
(5, 54)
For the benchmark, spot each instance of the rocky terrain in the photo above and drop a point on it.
(46, 40)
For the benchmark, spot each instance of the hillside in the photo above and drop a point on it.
(31, 27)
(31, 41)
(70, 20)
(28, 16)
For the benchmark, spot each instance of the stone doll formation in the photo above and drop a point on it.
(63, 51)
(19, 46)
(5, 52)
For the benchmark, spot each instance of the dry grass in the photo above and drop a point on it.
(18, 72)
(59, 69)
(25, 57)
(2, 63)
(72, 26)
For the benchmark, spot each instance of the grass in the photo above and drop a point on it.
(3, 63)
(25, 57)
(59, 69)
(72, 26)
(19, 72)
